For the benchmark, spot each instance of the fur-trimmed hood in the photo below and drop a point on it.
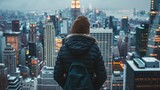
(79, 44)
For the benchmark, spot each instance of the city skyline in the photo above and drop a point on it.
(59, 4)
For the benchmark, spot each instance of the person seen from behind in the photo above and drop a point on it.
(79, 46)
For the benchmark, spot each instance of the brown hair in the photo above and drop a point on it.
(81, 26)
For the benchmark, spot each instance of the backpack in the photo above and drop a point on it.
(78, 78)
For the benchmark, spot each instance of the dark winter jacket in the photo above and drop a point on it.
(84, 48)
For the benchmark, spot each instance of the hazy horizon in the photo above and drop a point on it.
(61, 4)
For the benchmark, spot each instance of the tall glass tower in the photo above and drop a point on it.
(154, 31)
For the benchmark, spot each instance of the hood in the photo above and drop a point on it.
(79, 44)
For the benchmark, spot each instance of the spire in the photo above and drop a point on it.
(75, 4)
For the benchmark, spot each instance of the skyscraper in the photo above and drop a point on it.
(10, 59)
(14, 39)
(14, 83)
(32, 40)
(75, 9)
(3, 77)
(45, 80)
(49, 44)
(15, 25)
(141, 39)
(154, 31)
(105, 43)
(143, 74)
(32, 33)
(2, 46)
(34, 67)
(125, 24)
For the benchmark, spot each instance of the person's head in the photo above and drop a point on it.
(80, 26)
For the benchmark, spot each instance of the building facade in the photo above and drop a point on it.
(49, 44)
(154, 31)
(3, 77)
(2, 46)
(10, 59)
(45, 80)
(125, 24)
(14, 83)
(14, 39)
(105, 43)
(142, 74)
(142, 39)
(29, 84)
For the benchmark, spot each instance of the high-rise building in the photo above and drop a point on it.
(75, 9)
(142, 74)
(32, 33)
(117, 81)
(29, 84)
(10, 59)
(55, 21)
(45, 80)
(15, 25)
(154, 31)
(65, 27)
(105, 43)
(14, 83)
(111, 22)
(34, 67)
(49, 44)
(141, 39)
(125, 24)
(2, 46)
(14, 39)
(32, 49)
(3, 77)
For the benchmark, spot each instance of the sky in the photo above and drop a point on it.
(61, 4)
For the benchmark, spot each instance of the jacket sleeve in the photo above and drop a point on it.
(100, 71)
(59, 71)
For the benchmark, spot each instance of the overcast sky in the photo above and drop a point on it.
(61, 4)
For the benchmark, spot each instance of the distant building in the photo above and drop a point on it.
(3, 77)
(22, 60)
(14, 39)
(29, 84)
(14, 83)
(141, 39)
(111, 22)
(45, 80)
(75, 9)
(143, 74)
(10, 59)
(15, 26)
(2, 46)
(65, 27)
(105, 43)
(49, 44)
(34, 69)
(55, 21)
(117, 81)
(32, 49)
(125, 24)
(32, 33)
(24, 71)
(153, 49)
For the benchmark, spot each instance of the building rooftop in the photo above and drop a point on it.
(135, 68)
(149, 59)
(101, 30)
(11, 33)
